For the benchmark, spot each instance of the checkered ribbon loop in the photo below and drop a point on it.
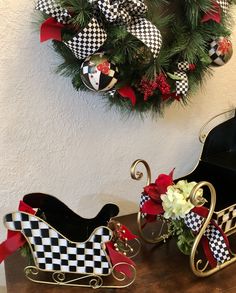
(183, 66)
(215, 238)
(130, 13)
(224, 4)
(87, 41)
(52, 8)
(120, 12)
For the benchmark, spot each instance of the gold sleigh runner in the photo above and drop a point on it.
(98, 257)
(205, 211)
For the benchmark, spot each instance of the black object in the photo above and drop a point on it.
(217, 163)
(64, 220)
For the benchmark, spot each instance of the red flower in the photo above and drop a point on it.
(224, 46)
(104, 67)
(153, 206)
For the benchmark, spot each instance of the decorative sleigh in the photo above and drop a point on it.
(216, 175)
(67, 249)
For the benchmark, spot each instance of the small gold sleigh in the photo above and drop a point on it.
(216, 175)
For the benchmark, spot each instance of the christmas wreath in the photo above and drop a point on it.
(141, 55)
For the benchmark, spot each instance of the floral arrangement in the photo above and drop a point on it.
(140, 55)
(171, 201)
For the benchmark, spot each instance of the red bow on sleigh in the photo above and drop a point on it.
(15, 240)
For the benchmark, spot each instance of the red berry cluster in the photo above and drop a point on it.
(148, 87)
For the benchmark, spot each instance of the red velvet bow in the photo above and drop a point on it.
(128, 92)
(15, 239)
(213, 14)
(51, 29)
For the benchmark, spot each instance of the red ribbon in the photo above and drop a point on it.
(128, 92)
(213, 14)
(51, 29)
(15, 239)
(118, 257)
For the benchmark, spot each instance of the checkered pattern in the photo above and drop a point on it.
(145, 31)
(143, 199)
(183, 66)
(120, 11)
(52, 252)
(88, 40)
(217, 244)
(226, 219)
(135, 7)
(215, 55)
(53, 9)
(193, 221)
(224, 4)
(181, 85)
(110, 11)
(216, 240)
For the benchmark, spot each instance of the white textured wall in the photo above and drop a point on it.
(58, 141)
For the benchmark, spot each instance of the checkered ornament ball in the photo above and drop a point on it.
(220, 51)
(99, 74)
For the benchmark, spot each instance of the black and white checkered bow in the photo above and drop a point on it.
(119, 12)
(216, 240)
(224, 4)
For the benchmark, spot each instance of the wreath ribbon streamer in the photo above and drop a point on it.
(182, 83)
(90, 39)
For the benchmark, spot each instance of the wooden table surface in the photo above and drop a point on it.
(160, 269)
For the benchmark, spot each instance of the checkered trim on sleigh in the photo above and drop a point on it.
(50, 7)
(226, 219)
(217, 244)
(216, 240)
(194, 221)
(87, 41)
(52, 252)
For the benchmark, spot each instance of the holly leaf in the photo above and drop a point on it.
(174, 77)
(206, 60)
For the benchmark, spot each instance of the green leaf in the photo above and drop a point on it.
(174, 77)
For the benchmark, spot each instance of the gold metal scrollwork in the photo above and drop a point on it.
(200, 267)
(137, 175)
(156, 235)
